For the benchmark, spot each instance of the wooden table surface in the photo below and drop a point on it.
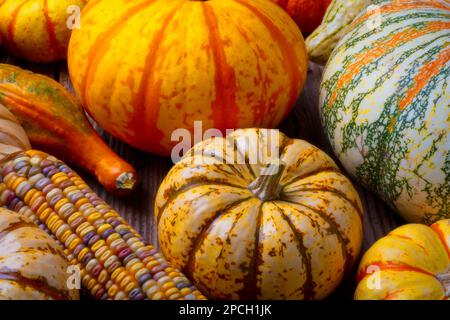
(303, 123)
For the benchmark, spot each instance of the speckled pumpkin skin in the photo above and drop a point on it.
(36, 30)
(412, 263)
(385, 99)
(32, 265)
(228, 63)
(235, 246)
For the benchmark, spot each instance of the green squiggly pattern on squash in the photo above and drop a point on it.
(385, 105)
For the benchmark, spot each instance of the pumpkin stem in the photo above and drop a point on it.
(267, 186)
(444, 278)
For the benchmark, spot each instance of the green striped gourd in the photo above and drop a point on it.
(385, 98)
(334, 26)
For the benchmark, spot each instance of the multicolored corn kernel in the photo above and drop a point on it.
(115, 261)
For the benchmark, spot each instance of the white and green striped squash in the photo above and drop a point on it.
(385, 105)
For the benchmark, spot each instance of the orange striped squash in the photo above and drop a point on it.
(410, 263)
(143, 68)
(37, 30)
(385, 99)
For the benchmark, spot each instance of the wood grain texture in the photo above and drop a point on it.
(303, 123)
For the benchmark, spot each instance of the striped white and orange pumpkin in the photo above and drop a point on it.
(385, 98)
(411, 263)
(144, 68)
(32, 264)
(242, 232)
(37, 30)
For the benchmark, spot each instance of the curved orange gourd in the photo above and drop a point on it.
(241, 233)
(37, 30)
(55, 122)
(144, 68)
(410, 263)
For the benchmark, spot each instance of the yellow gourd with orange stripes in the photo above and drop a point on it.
(38, 30)
(144, 68)
(410, 263)
(385, 99)
(251, 228)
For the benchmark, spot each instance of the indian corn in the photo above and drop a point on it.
(114, 260)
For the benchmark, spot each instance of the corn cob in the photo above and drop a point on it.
(114, 260)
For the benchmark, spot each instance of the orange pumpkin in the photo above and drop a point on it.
(37, 30)
(252, 230)
(307, 14)
(145, 68)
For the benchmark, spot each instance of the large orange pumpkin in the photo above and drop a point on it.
(307, 14)
(143, 68)
(38, 30)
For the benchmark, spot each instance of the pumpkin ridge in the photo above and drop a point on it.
(16, 226)
(441, 237)
(189, 185)
(201, 236)
(308, 286)
(89, 5)
(10, 36)
(412, 240)
(392, 295)
(333, 229)
(51, 30)
(310, 174)
(285, 143)
(392, 266)
(250, 290)
(40, 285)
(225, 109)
(334, 191)
(287, 52)
(102, 43)
(149, 91)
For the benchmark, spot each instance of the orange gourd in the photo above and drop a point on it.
(55, 122)
(285, 227)
(143, 69)
(307, 14)
(38, 30)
